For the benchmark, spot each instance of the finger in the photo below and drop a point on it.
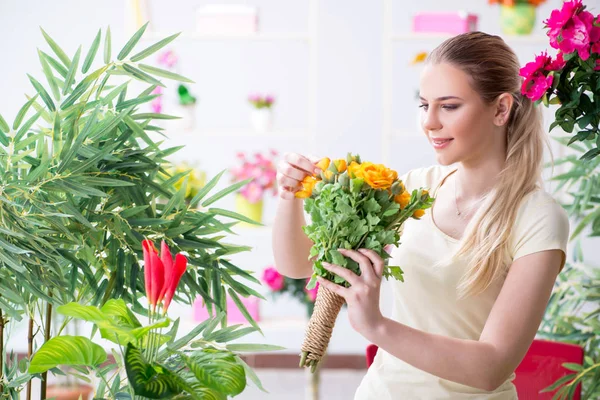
(342, 272)
(333, 287)
(290, 171)
(366, 268)
(376, 260)
(301, 162)
(286, 181)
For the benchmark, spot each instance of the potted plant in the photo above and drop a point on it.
(517, 17)
(570, 82)
(262, 112)
(261, 173)
(81, 180)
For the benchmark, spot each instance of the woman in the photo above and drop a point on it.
(480, 266)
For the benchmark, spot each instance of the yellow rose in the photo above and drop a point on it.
(340, 165)
(418, 213)
(308, 184)
(354, 170)
(323, 164)
(378, 176)
(403, 199)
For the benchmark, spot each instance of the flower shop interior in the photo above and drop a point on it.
(251, 80)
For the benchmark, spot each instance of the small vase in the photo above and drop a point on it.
(518, 19)
(262, 120)
(253, 211)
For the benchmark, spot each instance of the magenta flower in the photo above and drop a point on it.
(536, 75)
(269, 99)
(253, 192)
(273, 279)
(156, 104)
(597, 67)
(261, 170)
(168, 58)
(312, 293)
(572, 29)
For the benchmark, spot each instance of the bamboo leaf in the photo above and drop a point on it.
(43, 93)
(26, 126)
(164, 73)
(243, 309)
(54, 63)
(253, 347)
(3, 125)
(49, 75)
(71, 74)
(131, 43)
(22, 112)
(234, 215)
(154, 48)
(107, 46)
(67, 350)
(57, 50)
(225, 192)
(89, 59)
(141, 75)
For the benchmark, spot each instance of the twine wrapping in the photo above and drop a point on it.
(320, 327)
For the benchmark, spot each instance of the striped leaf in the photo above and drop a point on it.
(218, 371)
(67, 350)
(149, 380)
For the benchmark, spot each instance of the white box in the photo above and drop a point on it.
(226, 19)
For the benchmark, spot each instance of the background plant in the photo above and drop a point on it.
(79, 182)
(296, 288)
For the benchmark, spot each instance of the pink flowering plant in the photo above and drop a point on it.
(259, 101)
(296, 288)
(262, 173)
(571, 79)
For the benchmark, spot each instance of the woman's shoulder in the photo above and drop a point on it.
(426, 177)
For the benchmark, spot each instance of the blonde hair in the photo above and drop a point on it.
(493, 69)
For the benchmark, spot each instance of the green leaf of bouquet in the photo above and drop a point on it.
(150, 380)
(107, 46)
(72, 71)
(43, 93)
(89, 59)
(154, 48)
(225, 192)
(164, 73)
(67, 350)
(22, 112)
(222, 374)
(131, 43)
(57, 50)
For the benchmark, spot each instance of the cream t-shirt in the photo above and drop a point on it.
(428, 298)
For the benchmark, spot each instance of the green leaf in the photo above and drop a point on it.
(164, 73)
(57, 50)
(225, 192)
(154, 48)
(107, 49)
(234, 215)
(242, 308)
(253, 347)
(54, 63)
(573, 367)
(22, 112)
(222, 374)
(67, 350)
(207, 188)
(3, 125)
(43, 93)
(49, 75)
(149, 380)
(131, 43)
(25, 128)
(142, 76)
(250, 373)
(89, 59)
(72, 71)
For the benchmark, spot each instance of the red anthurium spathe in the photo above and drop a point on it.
(176, 274)
(161, 275)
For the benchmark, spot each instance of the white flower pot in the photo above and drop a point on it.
(262, 119)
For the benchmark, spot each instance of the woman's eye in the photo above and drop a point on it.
(423, 106)
(450, 107)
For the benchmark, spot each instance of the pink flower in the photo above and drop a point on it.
(536, 79)
(273, 279)
(312, 293)
(253, 192)
(167, 58)
(572, 29)
(269, 99)
(156, 104)
(254, 98)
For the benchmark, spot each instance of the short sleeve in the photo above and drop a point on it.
(542, 224)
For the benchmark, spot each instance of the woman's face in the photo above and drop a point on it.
(456, 121)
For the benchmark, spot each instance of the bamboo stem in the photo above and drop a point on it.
(29, 352)
(46, 339)
(1, 351)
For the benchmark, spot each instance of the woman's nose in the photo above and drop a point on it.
(430, 120)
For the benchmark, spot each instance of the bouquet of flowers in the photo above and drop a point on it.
(261, 170)
(259, 101)
(279, 285)
(572, 79)
(352, 205)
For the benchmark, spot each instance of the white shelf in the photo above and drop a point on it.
(260, 37)
(525, 39)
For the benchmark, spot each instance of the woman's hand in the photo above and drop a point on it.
(291, 171)
(362, 296)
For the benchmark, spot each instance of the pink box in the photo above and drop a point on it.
(452, 22)
(226, 19)
(234, 316)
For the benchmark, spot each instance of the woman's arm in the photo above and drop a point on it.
(484, 364)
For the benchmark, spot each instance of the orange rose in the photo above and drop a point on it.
(403, 199)
(418, 213)
(354, 170)
(308, 184)
(340, 165)
(378, 176)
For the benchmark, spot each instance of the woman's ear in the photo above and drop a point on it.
(504, 104)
